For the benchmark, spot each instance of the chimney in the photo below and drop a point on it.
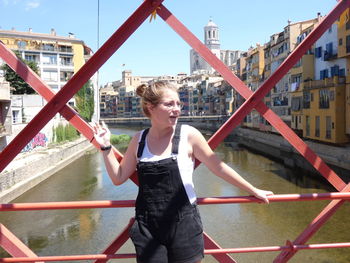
(319, 16)
(53, 32)
(30, 30)
(71, 35)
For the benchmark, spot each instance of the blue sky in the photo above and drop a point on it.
(155, 49)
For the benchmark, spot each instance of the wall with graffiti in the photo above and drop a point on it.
(39, 140)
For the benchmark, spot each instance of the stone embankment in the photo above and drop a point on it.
(30, 168)
(338, 157)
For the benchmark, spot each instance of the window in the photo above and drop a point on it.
(347, 44)
(49, 59)
(66, 61)
(21, 44)
(324, 74)
(318, 52)
(16, 117)
(50, 75)
(340, 42)
(48, 47)
(306, 99)
(328, 53)
(317, 126)
(66, 75)
(307, 131)
(324, 99)
(31, 57)
(328, 127)
(347, 25)
(335, 71)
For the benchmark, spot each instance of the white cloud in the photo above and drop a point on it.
(32, 5)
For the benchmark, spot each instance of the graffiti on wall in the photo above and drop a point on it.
(39, 140)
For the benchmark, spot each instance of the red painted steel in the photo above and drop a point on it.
(13, 245)
(77, 81)
(57, 102)
(254, 99)
(118, 242)
(209, 243)
(213, 252)
(201, 201)
(314, 226)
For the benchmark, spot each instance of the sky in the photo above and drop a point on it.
(155, 49)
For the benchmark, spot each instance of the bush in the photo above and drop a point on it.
(65, 133)
(120, 139)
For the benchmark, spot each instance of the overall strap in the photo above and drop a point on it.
(142, 143)
(176, 139)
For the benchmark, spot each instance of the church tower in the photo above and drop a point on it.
(211, 36)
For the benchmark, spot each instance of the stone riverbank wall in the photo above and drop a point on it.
(30, 168)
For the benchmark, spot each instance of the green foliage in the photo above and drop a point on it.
(65, 133)
(120, 139)
(20, 86)
(84, 101)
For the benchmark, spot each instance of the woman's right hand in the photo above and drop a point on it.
(102, 134)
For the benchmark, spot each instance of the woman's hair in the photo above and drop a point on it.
(152, 94)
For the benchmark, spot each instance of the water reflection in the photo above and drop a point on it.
(89, 231)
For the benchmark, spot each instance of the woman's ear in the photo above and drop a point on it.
(150, 107)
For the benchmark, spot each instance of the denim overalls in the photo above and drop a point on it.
(168, 227)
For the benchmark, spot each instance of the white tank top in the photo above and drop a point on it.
(185, 163)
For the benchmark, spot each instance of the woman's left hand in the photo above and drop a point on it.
(262, 195)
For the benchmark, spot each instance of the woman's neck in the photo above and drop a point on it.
(157, 132)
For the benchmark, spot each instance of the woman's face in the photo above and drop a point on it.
(168, 110)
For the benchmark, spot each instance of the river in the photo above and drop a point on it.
(90, 231)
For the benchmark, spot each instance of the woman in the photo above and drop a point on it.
(168, 227)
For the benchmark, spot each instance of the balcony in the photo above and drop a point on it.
(329, 55)
(324, 83)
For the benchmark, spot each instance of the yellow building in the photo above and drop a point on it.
(324, 110)
(344, 52)
(58, 57)
(301, 73)
(254, 72)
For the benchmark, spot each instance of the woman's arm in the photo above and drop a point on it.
(118, 172)
(203, 152)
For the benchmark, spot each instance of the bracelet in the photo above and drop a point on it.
(106, 148)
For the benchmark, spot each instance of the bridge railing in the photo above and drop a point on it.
(57, 102)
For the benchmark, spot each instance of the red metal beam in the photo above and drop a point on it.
(13, 245)
(201, 201)
(314, 226)
(77, 81)
(27, 74)
(118, 242)
(255, 99)
(214, 252)
(210, 244)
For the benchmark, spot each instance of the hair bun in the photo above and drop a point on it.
(140, 90)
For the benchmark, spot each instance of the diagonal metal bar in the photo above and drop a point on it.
(118, 242)
(314, 226)
(76, 82)
(14, 246)
(209, 243)
(28, 75)
(255, 99)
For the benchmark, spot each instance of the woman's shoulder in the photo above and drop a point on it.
(189, 130)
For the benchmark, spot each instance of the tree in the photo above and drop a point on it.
(16, 82)
(84, 101)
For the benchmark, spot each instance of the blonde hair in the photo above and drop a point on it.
(152, 94)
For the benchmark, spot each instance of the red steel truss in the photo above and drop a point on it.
(57, 103)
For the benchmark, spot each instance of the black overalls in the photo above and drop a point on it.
(168, 227)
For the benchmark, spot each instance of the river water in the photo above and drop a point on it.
(90, 231)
